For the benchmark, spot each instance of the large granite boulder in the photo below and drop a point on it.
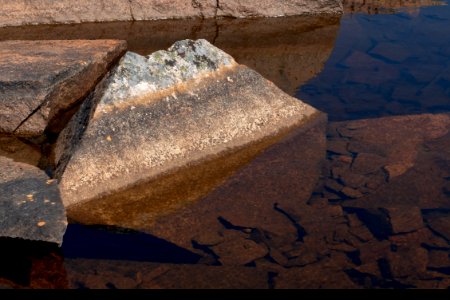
(16, 13)
(30, 204)
(40, 81)
(167, 120)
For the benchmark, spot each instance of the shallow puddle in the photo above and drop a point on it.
(379, 214)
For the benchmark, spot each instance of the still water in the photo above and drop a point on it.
(379, 213)
(386, 64)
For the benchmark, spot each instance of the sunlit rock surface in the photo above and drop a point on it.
(16, 13)
(167, 120)
(20, 150)
(41, 81)
(30, 204)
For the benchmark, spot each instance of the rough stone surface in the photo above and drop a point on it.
(16, 13)
(242, 8)
(239, 251)
(405, 219)
(314, 277)
(439, 223)
(19, 150)
(408, 262)
(42, 80)
(31, 206)
(153, 115)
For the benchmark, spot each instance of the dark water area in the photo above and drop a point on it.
(386, 64)
(366, 206)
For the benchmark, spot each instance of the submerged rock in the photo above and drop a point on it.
(157, 119)
(30, 204)
(41, 81)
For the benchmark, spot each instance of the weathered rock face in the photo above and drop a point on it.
(242, 8)
(160, 118)
(30, 202)
(16, 13)
(42, 80)
(16, 149)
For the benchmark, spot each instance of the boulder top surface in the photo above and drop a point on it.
(137, 76)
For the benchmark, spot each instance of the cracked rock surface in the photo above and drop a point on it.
(40, 81)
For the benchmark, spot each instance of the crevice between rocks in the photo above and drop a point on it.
(301, 232)
(130, 5)
(217, 9)
(31, 115)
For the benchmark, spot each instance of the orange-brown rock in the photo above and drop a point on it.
(16, 13)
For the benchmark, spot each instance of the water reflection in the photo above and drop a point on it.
(387, 6)
(386, 65)
(288, 51)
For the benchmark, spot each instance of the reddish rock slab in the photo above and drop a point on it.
(19, 150)
(41, 81)
(16, 13)
(239, 251)
(366, 163)
(242, 9)
(408, 262)
(319, 275)
(439, 259)
(405, 219)
(440, 224)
